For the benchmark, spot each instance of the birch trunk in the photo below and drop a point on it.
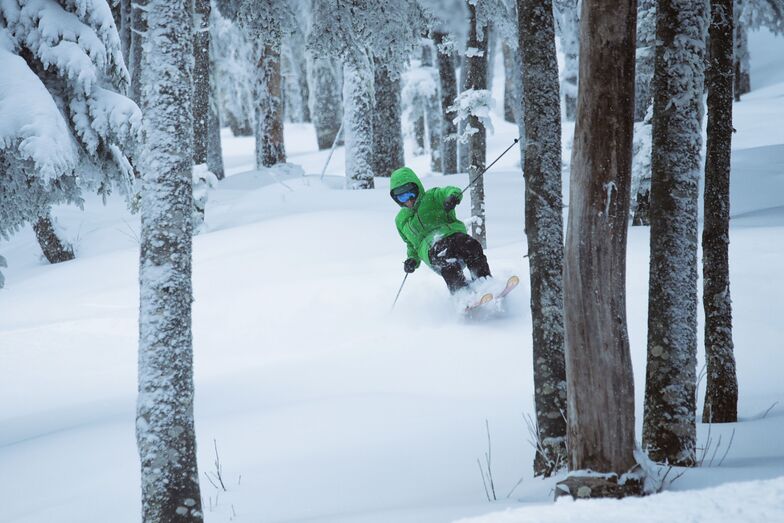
(669, 425)
(721, 395)
(544, 227)
(165, 431)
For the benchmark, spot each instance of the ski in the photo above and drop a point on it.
(511, 283)
(486, 298)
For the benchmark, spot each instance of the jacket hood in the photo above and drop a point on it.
(403, 176)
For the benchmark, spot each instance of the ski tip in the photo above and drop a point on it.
(485, 298)
(513, 281)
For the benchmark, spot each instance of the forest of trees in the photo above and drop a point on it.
(131, 97)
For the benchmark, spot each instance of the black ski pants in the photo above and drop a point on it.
(448, 257)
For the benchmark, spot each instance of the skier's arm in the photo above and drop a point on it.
(448, 197)
(411, 252)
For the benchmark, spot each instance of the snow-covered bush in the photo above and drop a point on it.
(65, 124)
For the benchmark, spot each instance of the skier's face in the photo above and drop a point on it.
(410, 203)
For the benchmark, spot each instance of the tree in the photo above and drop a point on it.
(448, 89)
(387, 130)
(421, 103)
(721, 395)
(600, 383)
(568, 25)
(327, 100)
(752, 14)
(201, 80)
(214, 147)
(669, 426)
(67, 125)
(138, 35)
(544, 227)
(165, 432)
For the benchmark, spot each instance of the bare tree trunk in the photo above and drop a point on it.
(448, 81)
(358, 124)
(742, 67)
(270, 149)
(327, 107)
(138, 33)
(599, 375)
(721, 396)
(544, 227)
(669, 425)
(55, 250)
(510, 99)
(201, 79)
(387, 126)
(476, 78)
(165, 431)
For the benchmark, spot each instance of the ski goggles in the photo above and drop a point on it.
(403, 198)
(404, 193)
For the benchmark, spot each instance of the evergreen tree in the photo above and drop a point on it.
(165, 432)
(544, 227)
(721, 396)
(600, 382)
(669, 425)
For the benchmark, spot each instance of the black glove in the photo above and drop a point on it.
(410, 265)
(451, 202)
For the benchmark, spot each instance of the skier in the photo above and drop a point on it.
(432, 233)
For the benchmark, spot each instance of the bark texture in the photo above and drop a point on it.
(742, 62)
(165, 432)
(387, 126)
(476, 79)
(510, 98)
(544, 227)
(138, 33)
(55, 250)
(327, 106)
(358, 124)
(721, 395)
(646, 52)
(669, 425)
(599, 375)
(201, 79)
(270, 148)
(448, 83)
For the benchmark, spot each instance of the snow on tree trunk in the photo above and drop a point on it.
(510, 98)
(201, 79)
(476, 78)
(295, 79)
(358, 124)
(387, 127)
(669, 427)
(544, 228)
(491, 39)
(55, 250)
(327, 106)
(600, 382)
(742, 67)
(721, 395)
(165, 432)
(448, 84)
(138, 35)
(214, 147)
(569, 25)
(270, 149)
(462, 147)
(432, 110)
(125, 29)
(646, 51)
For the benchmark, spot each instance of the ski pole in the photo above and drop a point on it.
(398, 292)
(488, 167)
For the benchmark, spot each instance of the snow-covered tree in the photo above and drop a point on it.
(568, 25)
(65, 124)
(721, 395)
(235, 74)
(214, 146)
(544, 227)
(201, 80)
(669, 425)
(361, 33)
(264, 23)
(421, 102)
(387, 121)
(165, 432)
(749, 15)
(327, 99)
(138, 35)
(600, 382)
(448, 89)
(646, 46)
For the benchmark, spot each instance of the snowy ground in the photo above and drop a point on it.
(326, 407)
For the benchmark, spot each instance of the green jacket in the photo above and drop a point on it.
(427, 222)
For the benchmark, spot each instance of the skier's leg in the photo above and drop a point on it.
(471, 251)
(445, 262)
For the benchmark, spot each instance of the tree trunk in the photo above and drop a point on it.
(600, 382)
(742, 61)
(125, 30)
(270, 149)
(462, 147)
(669, 426)
(510, 99)
(432, 111)
(327, 107)
(138, 33)
(646, 47)
(55, 250)
(544, 228)
(721, 395)
(387, 127)
(476, 77)
(201, 79)
(569, 24)
(448, 84)
(165, 432)
(358, 124)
